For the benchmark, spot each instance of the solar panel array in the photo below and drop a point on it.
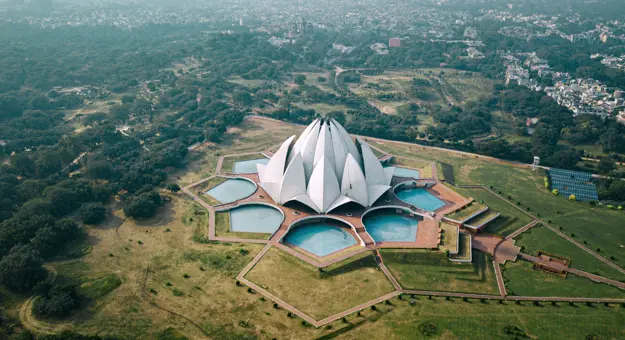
(576, 183)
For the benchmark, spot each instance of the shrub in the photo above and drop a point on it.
(92, 213)
(427, 329)
(21, 269)
(173, 187)
(59, 301)
(143, 205)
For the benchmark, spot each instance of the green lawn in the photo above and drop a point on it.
(449, 239)
(222, 228)
(320, 294)
(598, 226)
(509, 220)
(522, 279)
(540, 238)
(431, 270)
(456, 319)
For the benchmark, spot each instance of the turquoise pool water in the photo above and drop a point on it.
(249, 166)
(231, 190)
(391, 228)
(420, 198)
(320, 239)
(405, 172)
(255, 219)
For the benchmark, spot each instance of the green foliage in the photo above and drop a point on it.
(143, 205)
(48, 240)
(299, 79)
(427, 329)
(173, 187)
(100, 287)
(92, 213)
(22, 269)
(58, 302)
(170, 334)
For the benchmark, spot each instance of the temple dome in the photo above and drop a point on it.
(324, 169)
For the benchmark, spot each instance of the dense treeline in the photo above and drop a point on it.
(52, 171)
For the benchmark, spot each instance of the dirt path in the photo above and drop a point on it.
(32, 323)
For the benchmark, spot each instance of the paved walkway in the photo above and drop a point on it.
(559, 267)
(522, 230)
(599, 257)
(500, 284)
(502, 250)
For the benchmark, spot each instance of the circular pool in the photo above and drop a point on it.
(320, 238)
(255, 218)
(390, 227)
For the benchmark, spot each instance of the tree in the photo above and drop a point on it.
(59, 301)
(299, 79)
(22, 269)
(613, 140)
(92, 213)
(242, 97)
(173, 187)
(48, 241)
(284, 103)
(143, 205)
(212, 134)
(606, 165)
(127, 99)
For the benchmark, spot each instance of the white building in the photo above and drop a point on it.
(324, 169)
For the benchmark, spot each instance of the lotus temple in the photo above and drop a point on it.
(324, 196)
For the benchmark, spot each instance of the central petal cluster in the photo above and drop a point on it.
(325, 169)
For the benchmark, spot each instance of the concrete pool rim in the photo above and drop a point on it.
(415, 184)
(229, 178)
(312, 218)
(243, 204)
(419, 216)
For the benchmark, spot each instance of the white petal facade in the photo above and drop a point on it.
(324, 169)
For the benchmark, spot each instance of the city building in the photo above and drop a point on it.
(394, 42)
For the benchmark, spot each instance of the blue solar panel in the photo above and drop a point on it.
(569, 182)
